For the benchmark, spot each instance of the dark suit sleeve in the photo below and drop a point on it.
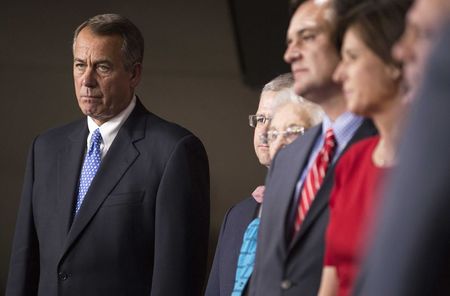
(213, 286)
(24, 266)
(182, 222)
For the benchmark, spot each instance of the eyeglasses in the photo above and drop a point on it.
(290, 134)
(255, 120)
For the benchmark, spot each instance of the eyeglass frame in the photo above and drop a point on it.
(294, 130)
(254, 119)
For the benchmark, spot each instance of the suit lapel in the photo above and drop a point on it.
(319, 204)
(321, 201)
(119, 158)
(68, 169)
(298, 157)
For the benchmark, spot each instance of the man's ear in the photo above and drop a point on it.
(136, 73)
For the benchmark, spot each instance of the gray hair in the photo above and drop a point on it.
(283, 87)
(114, 24)
(280, 82)
(310, 112)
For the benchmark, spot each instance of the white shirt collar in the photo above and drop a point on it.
(109, 129)
(343, 127)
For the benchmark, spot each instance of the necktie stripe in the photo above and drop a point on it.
(314, 179)
(315, 176)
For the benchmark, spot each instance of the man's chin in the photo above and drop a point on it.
(264, 160)
(88, 112)
(299, 88)
(92, 114)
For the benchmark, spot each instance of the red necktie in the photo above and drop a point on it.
(314, 179)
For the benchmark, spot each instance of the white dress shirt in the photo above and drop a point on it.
(109, 129)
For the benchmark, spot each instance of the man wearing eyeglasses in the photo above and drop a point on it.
(240, 224)
(289, 257)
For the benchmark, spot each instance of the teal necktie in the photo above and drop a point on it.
(246, 257)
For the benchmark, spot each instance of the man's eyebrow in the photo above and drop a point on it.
(103, 61)
(306, 29)
(302, 31)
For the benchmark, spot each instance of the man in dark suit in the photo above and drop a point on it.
(411, 250)
(116, 203)
(289, 258)
(236, 220)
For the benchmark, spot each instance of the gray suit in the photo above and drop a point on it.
(293, 268)
(411, 252)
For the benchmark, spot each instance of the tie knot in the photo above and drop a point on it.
(96, 137)
(96, 140)
(330, 140)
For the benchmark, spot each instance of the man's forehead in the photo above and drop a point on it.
(428, 13)
(88, 42)
(321, 2)
(310, 15)
(266, 102)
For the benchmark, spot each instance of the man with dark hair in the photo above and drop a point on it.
(290, 252)
(116, 203)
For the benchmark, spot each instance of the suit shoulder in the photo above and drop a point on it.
(241, 213)
(55, 136)
(244, 206)
(166, 130)
(170, 141)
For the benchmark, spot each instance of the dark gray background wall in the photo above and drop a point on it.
(192, 76)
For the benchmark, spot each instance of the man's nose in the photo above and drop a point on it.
(292, 53)
(402, 50)
(89, 78)
(263, 138)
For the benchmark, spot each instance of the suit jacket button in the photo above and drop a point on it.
(63, 276)
(286, 284)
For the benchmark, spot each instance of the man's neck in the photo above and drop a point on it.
(334, 105)
(330, 97)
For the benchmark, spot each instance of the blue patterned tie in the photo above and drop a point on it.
(246, 258)
(90, 166)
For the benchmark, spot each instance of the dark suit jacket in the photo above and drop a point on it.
(143, 226)
(293, 268)
(223, 271)
(411, 252)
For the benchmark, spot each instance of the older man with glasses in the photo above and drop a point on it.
(236, 248)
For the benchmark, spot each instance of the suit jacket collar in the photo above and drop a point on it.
(295, 157)
(69, 161)
(116, 162)
(322, 197)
